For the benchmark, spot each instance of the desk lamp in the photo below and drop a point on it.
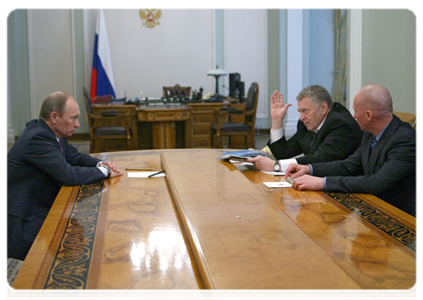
(217, 73)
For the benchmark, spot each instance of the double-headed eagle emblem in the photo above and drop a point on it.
(150, 17)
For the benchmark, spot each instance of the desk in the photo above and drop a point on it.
(164, 118)
(153, 126)
(167, 126)
(210, 224)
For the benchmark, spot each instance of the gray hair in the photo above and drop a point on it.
(317, 93)
(56, 101)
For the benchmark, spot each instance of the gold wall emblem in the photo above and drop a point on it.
(150, 17)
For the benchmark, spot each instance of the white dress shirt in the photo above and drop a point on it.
(277, 134)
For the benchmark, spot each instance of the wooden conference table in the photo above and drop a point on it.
(211, 224)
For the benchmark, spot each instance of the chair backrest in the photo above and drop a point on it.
(176, 91)
(89, 110)
(407, 117)
(251, 103)
(87, 101)
(105, 99)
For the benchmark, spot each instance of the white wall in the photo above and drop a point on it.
(9, 132)
(178, 50)
(50, 44)
(382, 50)
(389, 54)
(246, 51)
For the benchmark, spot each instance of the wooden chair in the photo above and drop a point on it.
(108, 131)
(176, 91)
(407, 117)
(225, 128)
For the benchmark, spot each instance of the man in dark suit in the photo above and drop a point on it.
(39, 163)
(385, 163)
(326, 131)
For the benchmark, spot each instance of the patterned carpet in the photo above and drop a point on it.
(13, 267)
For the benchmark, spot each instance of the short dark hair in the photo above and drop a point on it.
(56, 101)
(317, 93)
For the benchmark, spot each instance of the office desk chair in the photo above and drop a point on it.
(407, 117)
(108, 131)
(226, 128)
(176, 91)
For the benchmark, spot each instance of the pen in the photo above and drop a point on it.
(289, 179)
(139, 169)
(157, 173)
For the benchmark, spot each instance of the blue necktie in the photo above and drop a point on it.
(374, 142)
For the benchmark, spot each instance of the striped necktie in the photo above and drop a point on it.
(313, 138)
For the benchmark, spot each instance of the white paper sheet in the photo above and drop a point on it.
(275, 173)
(144, 174)
(280, 184)
(242, 163)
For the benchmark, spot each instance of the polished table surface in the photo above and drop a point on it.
(211, 224)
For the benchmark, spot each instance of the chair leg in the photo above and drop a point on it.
(251, 142)
(218, 141)
(91, 146)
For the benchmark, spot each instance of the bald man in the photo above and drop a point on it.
(385, 163)
(39, 163)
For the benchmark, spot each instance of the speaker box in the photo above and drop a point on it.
(234, 79)
(241, 91)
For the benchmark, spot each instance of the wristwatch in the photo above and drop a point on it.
(109, 171)
(277, 167)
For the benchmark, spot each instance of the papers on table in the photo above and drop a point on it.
(242, 163)
(274, 173)
(279, 184)
(144, 174)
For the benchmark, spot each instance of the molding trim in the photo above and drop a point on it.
(355, 48)
(295, 70)
(31, 64)
(72, 11)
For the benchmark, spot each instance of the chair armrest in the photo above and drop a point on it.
(250, 113)
(221, 117)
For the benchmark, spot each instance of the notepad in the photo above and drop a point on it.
(144, 174)
(280, 184)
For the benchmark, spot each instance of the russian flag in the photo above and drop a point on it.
(102, 82)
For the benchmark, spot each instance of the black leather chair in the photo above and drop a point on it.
(225, 128)
(108, 131)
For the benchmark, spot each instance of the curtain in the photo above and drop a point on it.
(340, 77)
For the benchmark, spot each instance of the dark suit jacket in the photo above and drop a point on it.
(388, 171)
(338, 138)
(37, 167)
